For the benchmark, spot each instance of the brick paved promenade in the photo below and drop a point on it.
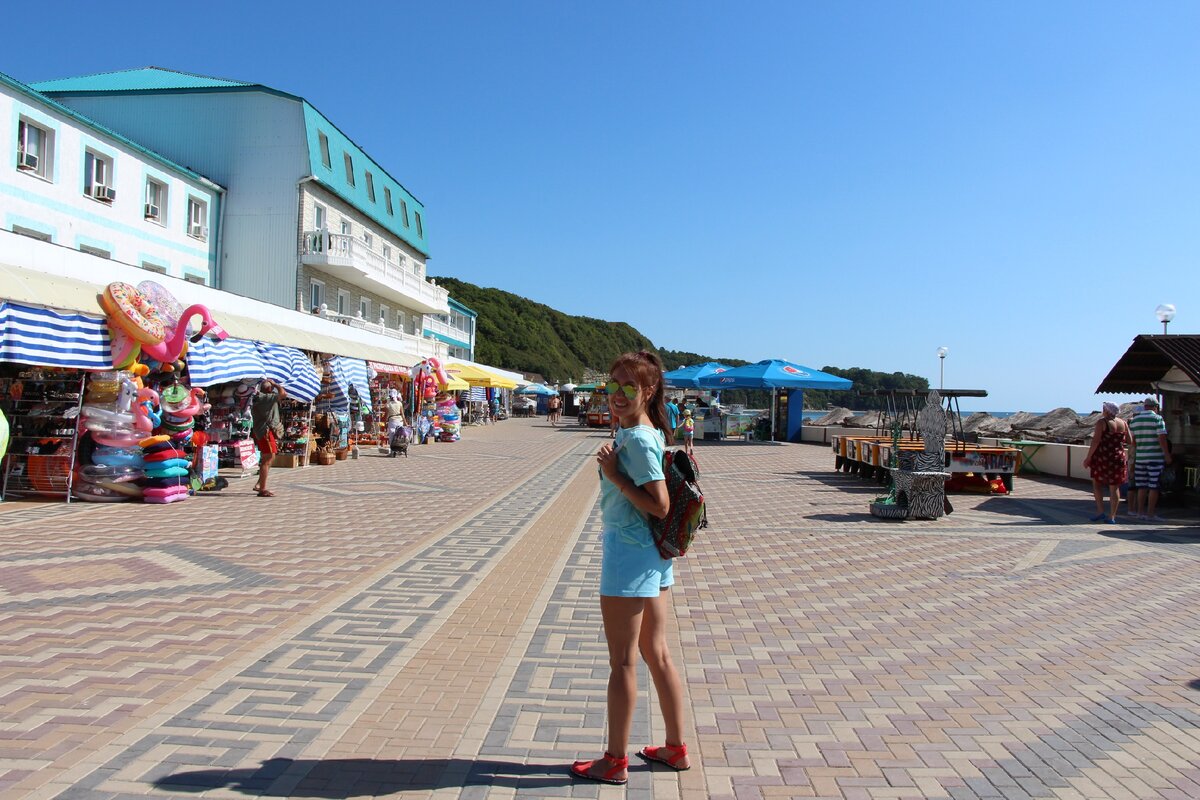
(429, 628)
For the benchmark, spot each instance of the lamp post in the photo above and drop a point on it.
(1165, 313)
(941, 353)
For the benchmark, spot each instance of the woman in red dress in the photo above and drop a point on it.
(1108, 461)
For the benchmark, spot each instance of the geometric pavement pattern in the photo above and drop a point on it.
(1009, 650)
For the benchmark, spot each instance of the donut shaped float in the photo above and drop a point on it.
(99, 473)
(167, 472)
(118, 456)
(128, 309)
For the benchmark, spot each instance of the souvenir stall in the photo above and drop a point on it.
(389, 383)
(345, 396)
(44, 358)
(297, 374)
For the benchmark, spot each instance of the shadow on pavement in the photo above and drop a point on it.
(350, 777)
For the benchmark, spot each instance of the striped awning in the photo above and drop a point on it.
(41, 336)
(291, 369)
(210, 362)
(477, 393)
(347, 372)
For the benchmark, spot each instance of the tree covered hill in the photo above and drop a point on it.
(519, 334)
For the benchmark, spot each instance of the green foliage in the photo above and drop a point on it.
(516, 333)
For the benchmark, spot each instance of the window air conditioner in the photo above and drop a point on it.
(199, 231)
(110, 193)
(26, 160)
(151, 211)
(102, 192)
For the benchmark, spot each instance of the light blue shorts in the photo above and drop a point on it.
(633, 569)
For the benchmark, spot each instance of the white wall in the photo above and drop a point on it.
(253, 144)
(56, 204)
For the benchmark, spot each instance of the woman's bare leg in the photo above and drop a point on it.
(622, 622)
(1098, 493)
(653, 644)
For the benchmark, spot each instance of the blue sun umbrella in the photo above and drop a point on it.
(687, 377)
(773, 374)
(536, 388)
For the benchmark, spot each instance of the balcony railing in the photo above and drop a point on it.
(422, 346)
(353, 259)
(446, 329)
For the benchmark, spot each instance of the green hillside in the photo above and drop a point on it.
(516, 333)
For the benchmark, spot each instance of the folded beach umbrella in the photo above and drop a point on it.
(687, 377)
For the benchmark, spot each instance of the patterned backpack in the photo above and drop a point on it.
(674, 533)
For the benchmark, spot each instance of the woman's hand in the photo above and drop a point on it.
(607, 459)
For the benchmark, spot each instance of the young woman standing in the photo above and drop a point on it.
(634, 578)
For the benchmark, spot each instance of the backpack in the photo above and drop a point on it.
(673, 534)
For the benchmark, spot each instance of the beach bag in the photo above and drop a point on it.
(673, 534)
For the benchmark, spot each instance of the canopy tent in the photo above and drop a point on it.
(538, 389)
(291, 369)
(347, 372)
(477, 376)
(688, 377)
(774, 374)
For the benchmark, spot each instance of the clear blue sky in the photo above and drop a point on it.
(851, 184)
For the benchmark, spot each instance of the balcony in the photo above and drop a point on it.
(446, 329)
(350, 259)
(422, 346)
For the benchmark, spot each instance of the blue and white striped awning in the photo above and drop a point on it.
(41, 336)
(210, 362)
(477, 393)
(347, 372)
(291, 369)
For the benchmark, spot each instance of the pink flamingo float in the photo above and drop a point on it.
(172, 347)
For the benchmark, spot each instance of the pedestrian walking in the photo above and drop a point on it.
(689, 431)
(1151, 452)
(552, 406)
(634, 578)
(672, 415)
(267, 430)
(1108, 461)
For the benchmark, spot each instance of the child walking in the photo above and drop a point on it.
(689, 431)
(634, 578)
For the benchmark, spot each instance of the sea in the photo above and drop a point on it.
(812, 414)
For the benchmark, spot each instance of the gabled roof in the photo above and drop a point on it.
(142, 79)
(1149, 358)
(36, 96)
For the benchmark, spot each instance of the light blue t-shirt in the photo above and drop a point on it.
(672, 416)
(639, 456)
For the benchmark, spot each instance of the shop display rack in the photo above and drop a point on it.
(43, 409)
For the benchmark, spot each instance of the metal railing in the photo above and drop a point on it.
(340, 247)
(421, 345)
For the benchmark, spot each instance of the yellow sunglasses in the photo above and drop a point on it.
(630, 390)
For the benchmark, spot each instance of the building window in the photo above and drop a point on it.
(32, 234)
(97, 177)
(404, 213)
(346, 228)
(383, 315)
(371, 187)
(400, 260)
(387, 254)
(399, 320)
(150, 265)
(364, 308)
(200, 279)
(316, 294)
(349, 169)
(319, 217)
(420, 230)
(35, 148)
(156, 202)
(94, 251)
(387, 198)
(368, 239)
(343, 301)
(197, 219)
(323, 140)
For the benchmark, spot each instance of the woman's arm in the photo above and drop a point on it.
(649, 498)
(1096, 434)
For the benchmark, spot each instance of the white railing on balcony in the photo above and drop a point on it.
(435, 325)
(421, 345)
(340, 248)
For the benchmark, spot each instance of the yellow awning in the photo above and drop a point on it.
(456, 385)
(477, 376)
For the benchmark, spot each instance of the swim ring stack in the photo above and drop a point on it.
(451, 421)
(166, 470)
(110, 419)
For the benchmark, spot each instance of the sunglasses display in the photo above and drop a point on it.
(630, 390)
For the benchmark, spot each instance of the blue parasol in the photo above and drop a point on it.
(687, 377)
(773, 374)
(536, 388)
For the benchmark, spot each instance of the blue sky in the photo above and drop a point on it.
(851, 184)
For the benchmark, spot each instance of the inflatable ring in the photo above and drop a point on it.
(78, 493)
(116, 440)
(167, 472)
(98, 473)
(123, 347)
(117, 456)
(153, 440)
(132, 312)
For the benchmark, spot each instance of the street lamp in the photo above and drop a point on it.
(1165, 313)
(941, 353)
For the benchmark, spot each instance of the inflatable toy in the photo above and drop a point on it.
(3, 435)
(173, 347)
(150, 441)
(116, 439)
(99, 473)
(123, 348)
(170, 309)
(165, 483)
(118, 456)
(143, 411)
(129, 310)
(436, 367)
(169, 459)
(165, 495)
(166, 472)
(93, 493)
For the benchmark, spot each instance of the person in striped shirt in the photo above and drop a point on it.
(1150, 453)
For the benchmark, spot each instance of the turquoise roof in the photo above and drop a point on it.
(37, 96)
(460, 308)
(333, 177)
(134, 80)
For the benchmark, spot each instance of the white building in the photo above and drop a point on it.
(309, 220)
(72, 182)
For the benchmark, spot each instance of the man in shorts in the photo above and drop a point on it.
(267, 429)
(1151, 453)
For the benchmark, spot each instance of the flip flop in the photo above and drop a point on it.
(265, 493)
